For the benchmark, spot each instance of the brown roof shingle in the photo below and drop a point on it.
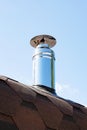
(25, 107)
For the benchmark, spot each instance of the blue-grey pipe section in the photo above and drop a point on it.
(44, 66)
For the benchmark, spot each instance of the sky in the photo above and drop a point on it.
(66, 20)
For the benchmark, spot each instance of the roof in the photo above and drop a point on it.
(25, 107)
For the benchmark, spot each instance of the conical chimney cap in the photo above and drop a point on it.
(50, 40)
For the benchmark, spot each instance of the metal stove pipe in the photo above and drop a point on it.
(43, 61)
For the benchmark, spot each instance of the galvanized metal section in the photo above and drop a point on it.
(43, 61)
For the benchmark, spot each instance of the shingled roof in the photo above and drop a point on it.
(25, 107)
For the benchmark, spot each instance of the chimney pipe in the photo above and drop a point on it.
(43, 62)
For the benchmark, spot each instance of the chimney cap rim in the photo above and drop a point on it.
(47, 39)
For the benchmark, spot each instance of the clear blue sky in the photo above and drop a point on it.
(66, 20)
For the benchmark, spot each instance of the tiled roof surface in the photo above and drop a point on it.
(28, 108)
